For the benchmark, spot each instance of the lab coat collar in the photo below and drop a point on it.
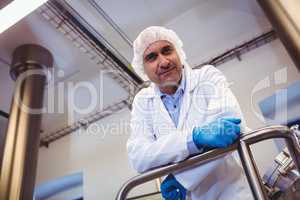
(163, 116)
(190, 79)
(180, 89)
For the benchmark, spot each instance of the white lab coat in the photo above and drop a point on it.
(155, 141)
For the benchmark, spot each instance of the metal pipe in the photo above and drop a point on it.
(240, 50)
(247, 139)
(111, 22)
(251, 171)
(285, 18)
(162, 171)
(294, 154)
(29, 68)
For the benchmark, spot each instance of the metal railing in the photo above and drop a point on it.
(243, 148)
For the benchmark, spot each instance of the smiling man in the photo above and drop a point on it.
(163, 66)
(184, 112)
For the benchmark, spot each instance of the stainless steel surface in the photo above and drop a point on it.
(249, 164)
(18, 169)
(250, 167)
(285, 17)
(251, 171)
(29, 56)
(162, 171)
(281, 179)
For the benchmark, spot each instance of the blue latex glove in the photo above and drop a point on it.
(218, 134)
(171, 189)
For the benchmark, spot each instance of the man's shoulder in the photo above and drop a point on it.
(142, 100)
(144, 94)
(208, 73)
(205, 70)
(147, 92)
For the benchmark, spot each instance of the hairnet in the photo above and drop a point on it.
(148, 36)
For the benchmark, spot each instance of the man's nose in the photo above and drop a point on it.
(163, 61)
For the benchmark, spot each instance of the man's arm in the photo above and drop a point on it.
(223, 104)
(145, 151)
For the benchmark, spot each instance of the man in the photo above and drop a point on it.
(183, 113)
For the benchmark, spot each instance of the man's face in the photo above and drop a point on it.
(162, 64)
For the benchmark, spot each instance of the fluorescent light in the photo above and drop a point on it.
(16, 10)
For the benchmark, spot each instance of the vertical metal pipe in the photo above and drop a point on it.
(284, 15)
(251, 171)
(18, 170)
(293, 152)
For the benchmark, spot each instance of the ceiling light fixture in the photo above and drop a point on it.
(16, 10)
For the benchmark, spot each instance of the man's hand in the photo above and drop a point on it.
(220, 133)
(171, 189)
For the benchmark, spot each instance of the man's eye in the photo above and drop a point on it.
(150, 57)
(166, 50)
